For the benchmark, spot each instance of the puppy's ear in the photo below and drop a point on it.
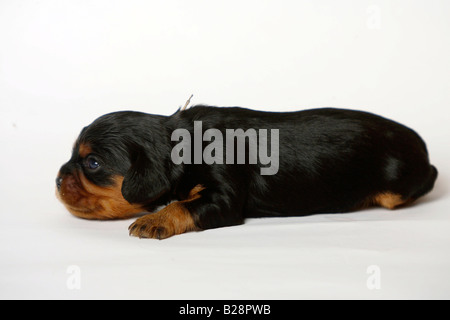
(146, 179)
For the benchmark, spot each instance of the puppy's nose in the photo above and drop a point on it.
(59, 181)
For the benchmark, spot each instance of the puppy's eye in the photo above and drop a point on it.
(92, 163)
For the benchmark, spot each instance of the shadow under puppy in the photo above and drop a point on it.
(330, 161)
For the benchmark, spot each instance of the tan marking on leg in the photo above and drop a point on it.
(172, 220)
(389, 200)
(193, 194)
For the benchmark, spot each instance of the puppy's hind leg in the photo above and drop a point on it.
(389, 200)
(410, 191)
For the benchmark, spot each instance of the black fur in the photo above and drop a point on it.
(330, 160)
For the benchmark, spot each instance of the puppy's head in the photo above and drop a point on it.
(118, 167)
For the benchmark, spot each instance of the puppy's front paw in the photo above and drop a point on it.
(173, 219)
(151, 226)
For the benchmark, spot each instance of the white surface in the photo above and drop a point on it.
(62, 64)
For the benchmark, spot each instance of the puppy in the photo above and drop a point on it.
(329, 161)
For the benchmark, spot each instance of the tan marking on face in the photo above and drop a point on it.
(84, 150)
(88, 201)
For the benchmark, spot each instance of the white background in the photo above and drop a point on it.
(64, 63)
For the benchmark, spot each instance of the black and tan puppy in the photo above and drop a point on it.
(329, 161)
